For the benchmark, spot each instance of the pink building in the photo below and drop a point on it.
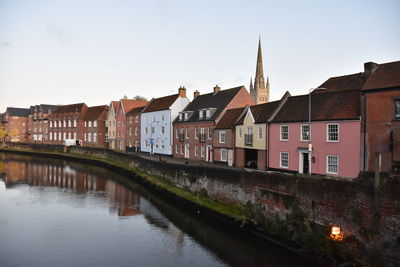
(335, 135)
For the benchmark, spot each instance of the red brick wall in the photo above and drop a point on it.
(239, 157)
(131, 137)
(19, 126)
(229, 143)
(380, 122)
(262, 163)
(120, 133)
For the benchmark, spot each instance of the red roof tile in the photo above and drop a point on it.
(69, 108)
(229, 119)
(325, 106)
(162, 103)
(136, 110)
(129, 104)
(114, 105)
(343, 83)
(95, 112)
(386, 76)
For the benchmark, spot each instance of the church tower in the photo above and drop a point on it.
(259, 90)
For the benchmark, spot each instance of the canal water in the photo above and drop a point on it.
(63, 213)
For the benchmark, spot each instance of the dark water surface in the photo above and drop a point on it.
(62, 213)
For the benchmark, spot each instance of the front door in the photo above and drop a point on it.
(230, 157)
(208, 153)
(305, 162)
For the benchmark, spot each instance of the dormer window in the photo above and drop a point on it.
(186, 116)
(180, 116)
(201, 114)
(208, 113)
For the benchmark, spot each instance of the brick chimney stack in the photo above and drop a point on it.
(216, 89)
(196, 94)
(370, 67)
(182, 91)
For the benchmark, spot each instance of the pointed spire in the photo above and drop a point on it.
(251, 84)
(259, 69)
(267, 85)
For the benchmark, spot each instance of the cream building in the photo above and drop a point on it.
(111, 124)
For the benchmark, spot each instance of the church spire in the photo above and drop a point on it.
(259, 69)
(251, 84)
(260, 92)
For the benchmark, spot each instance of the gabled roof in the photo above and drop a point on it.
(45, 108)
(129, 104)
(162, 103)
(218, 101)
(325, 106)
(69, 108)
(93, 113)
(343, 83)
(136, 110)
(18, 112)
(385, 76)
(114, 105)
(229, 119)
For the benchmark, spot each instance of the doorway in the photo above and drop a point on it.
(304, 164)
(208, 153)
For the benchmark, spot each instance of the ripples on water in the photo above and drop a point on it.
(60, 213)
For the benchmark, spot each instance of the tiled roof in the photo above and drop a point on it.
(386, 76)
(45, 108)
(343, 83)
(325, 106)
(218, 101)
(18, 112)
(95, 112)
(229, 119)
(129, 104)
(162, 103)
(69, 108)
(136, 110)
(114, 105)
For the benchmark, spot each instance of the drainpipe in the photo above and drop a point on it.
(364, 98)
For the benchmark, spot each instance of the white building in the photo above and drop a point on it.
(156, 122)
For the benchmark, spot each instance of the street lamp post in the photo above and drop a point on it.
(310, 148)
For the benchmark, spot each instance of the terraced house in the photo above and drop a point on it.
(38, 123)
(15, 122)
(133, 119)
(111, 124)
(193, 129)
(67, 122)
(95, 131)
(252, 133)
(156, 122)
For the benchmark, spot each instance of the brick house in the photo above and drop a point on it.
(124, 106)
(334, 135)
(193, 129)
(251, 144)
(95, 130)
(224, 137)
(381, 116)
(111, 124)
(38, 123)
(133, 129)
(15, 122)
(67, 122)
(156, 122)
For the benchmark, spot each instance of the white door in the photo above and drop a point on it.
(230, 157)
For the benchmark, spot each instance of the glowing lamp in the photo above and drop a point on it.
(335, 230)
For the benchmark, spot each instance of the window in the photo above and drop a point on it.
(136, 130)
(176, 134)
(305, 132)
(154, 118)
(209, 133)
(162, 129)
(186, 116)
(333, 132)
(146, 143)
(208, 113)
(74, 123)
(94, 123)
(202, 151)
(180, 116)
(260, 133)
(60, 124)
(196, 151)
(130, 119)
(51, 136)
(74, 135)
(65, 123)
(90, 123)
(284, 161)
(332, 164)
(51, 124)
(397, 108)
(162, 144)
(162, 117)
(176, 149)
(85, 124)
(145, 130)
(65, 136)
(223, 154)
(84, 137)
(137, 118)
(196, 133)
(187, 133)
(69, 123)
(222, 137)
(240, 133)
(182, 149)
(59, 136)
(89, 137)
(152, 129)
(69, 135)
(284, 132)
(200, 114)
(119, 123)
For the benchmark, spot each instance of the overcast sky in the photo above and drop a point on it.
(63, 52)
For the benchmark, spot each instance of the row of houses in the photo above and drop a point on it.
(344, 126)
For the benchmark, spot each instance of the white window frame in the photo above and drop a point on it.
(327, 164)
(95, 137)
(95, 123)
(327, 133)
(176, 133)
(89, 137)
(260, 133)
(51, 136)
(280, 160)
(162, 129)
(222, 137)
(85, 124)
(176, 149)
(196, 151)
(74, 123)
(280, 134)
(202, 151)
(74, 135)
(301, 132)
(64, 136)
(240, 132)
(196, 133)
(209, 133)
(201, 115)
(187, 133)
(90, 124)
(226, 154)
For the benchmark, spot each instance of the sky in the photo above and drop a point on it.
(95, 51)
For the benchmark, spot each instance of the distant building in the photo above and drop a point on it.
(95, 131)
(156, 122)
(259, 91)
(133, 119)
(67, 122)
(193, 129)
(124, 106)
(111, 124)
(15, 122)
(38, 123)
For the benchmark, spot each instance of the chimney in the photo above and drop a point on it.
(216, 89)
(182, 91)
(196, 94)
(370, 67)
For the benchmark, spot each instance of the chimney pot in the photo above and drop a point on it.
(182, 91)
(370, 67)
(217, 89)
(196, 94)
